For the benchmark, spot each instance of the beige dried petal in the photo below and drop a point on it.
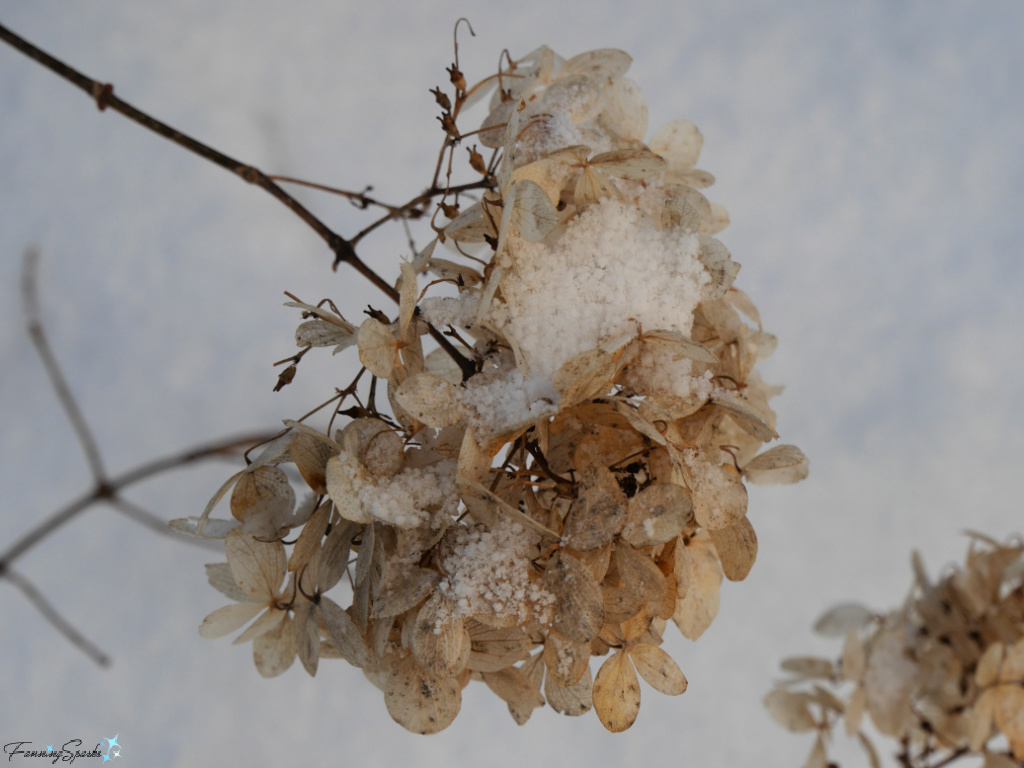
(596, 561)
(507, 510)
(533, 214)
(473, 225)
(695, 612)
(439, 641)
(616, 693)
(258, 566)
(493, 649)
(494, 128)
(565, 659)
(818, 757)
(695, 178)
(684, 569)
(578, 96)
(419, 701)
(430, 399)
(809, 667)
(226, 620)
(719, 265)
(307, 636)
(741, 302)
(1009, 712)
(719, 220)
(274, 652)
(998, 760)
(657, 668)
(982, 719)
(596, 515)
(574, 700)
(310, 456)
(579, 604)
(620, 604)
(790, 710)
(474, 462)
(602, 64)
(855, 711)
(517, 690)
(508, 150)
(335, 553)
(203, 528)
(640, 576)
(624, 115)
(1012, 670)
(628, 163)
(988, 665)
(639, 423)
(322, 333)
(264, 624)
(262, 494)
(657, 515)
(777, 466)
(347, 637)
(417, 585)
(687, 209)
(745, 416)
(588, 374)
(408, 292)
(346, 478)
(679, 346)
(890, 677)
(378, 348)
(720, 501)
(840, 619)
(736, 547)
(220, 578)
(679, 142)
(591, 186)
(854, 657)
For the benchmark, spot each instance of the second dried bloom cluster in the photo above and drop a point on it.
(582, 488)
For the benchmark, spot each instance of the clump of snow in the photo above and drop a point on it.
(457, 311)
(488, 572)
(611, 272)
(413, 497)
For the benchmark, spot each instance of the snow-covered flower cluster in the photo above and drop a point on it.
(565, 479)
(943, 676)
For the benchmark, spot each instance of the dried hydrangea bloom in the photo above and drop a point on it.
(943, 676)
(582, 484)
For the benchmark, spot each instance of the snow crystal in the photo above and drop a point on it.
(611, 272)
(488, 571)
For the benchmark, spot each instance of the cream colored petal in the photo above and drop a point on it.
(657, 515)
(574, 700)
(736, 547)
(430, 399)
(790, 710)
(274, 652)
(679, 142)
(779, 465)
(226, 620)
(421, 702)
(493, 649)
(579, 609)
(516, 690)
(378, 348)
(347, 637)
(839, 620)
(268, 622)
(616, 693)
(258, 567)
(602, 63)
(565, 659)
(657, 668)
(695, 612)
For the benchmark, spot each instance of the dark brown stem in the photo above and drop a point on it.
(344, 250)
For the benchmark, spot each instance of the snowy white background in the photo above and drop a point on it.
(869, 154)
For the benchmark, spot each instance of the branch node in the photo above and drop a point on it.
(103, 93)
(249, 173)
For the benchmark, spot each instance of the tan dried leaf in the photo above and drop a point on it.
(378, 348)
(695, 612)
(685, 208)
(720, 500)
(574, 700)
(588, 374)
(640, 576)
(657, 514)
(1012, 670)
(657, 668)
(258, 566)
(620, 604)
(679, 142)
(855, 711)
(439, 640)
(809, 667)
(419, 701)
(988, 665)
(310, 456)
(745, 416)
(579, 604)
(565, 659)
(517, 690)
(839, 620)
(680, 346)
(1009, 713)
(736, 547)
(628, 163)
(616, 693)
(347, 637)
(430, 399)
(982, 719)
(274, 651)
(533, 215)
(598, 512)
(493, 649)
(790, 710)
(263, 493)
(719, 265)
(417, 585)
(777, 466)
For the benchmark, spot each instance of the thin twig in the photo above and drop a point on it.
(33, 317)
(344, 250)
(62, 625)
(114, 485)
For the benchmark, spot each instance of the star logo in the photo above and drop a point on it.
(113, 742)
(50, 748)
